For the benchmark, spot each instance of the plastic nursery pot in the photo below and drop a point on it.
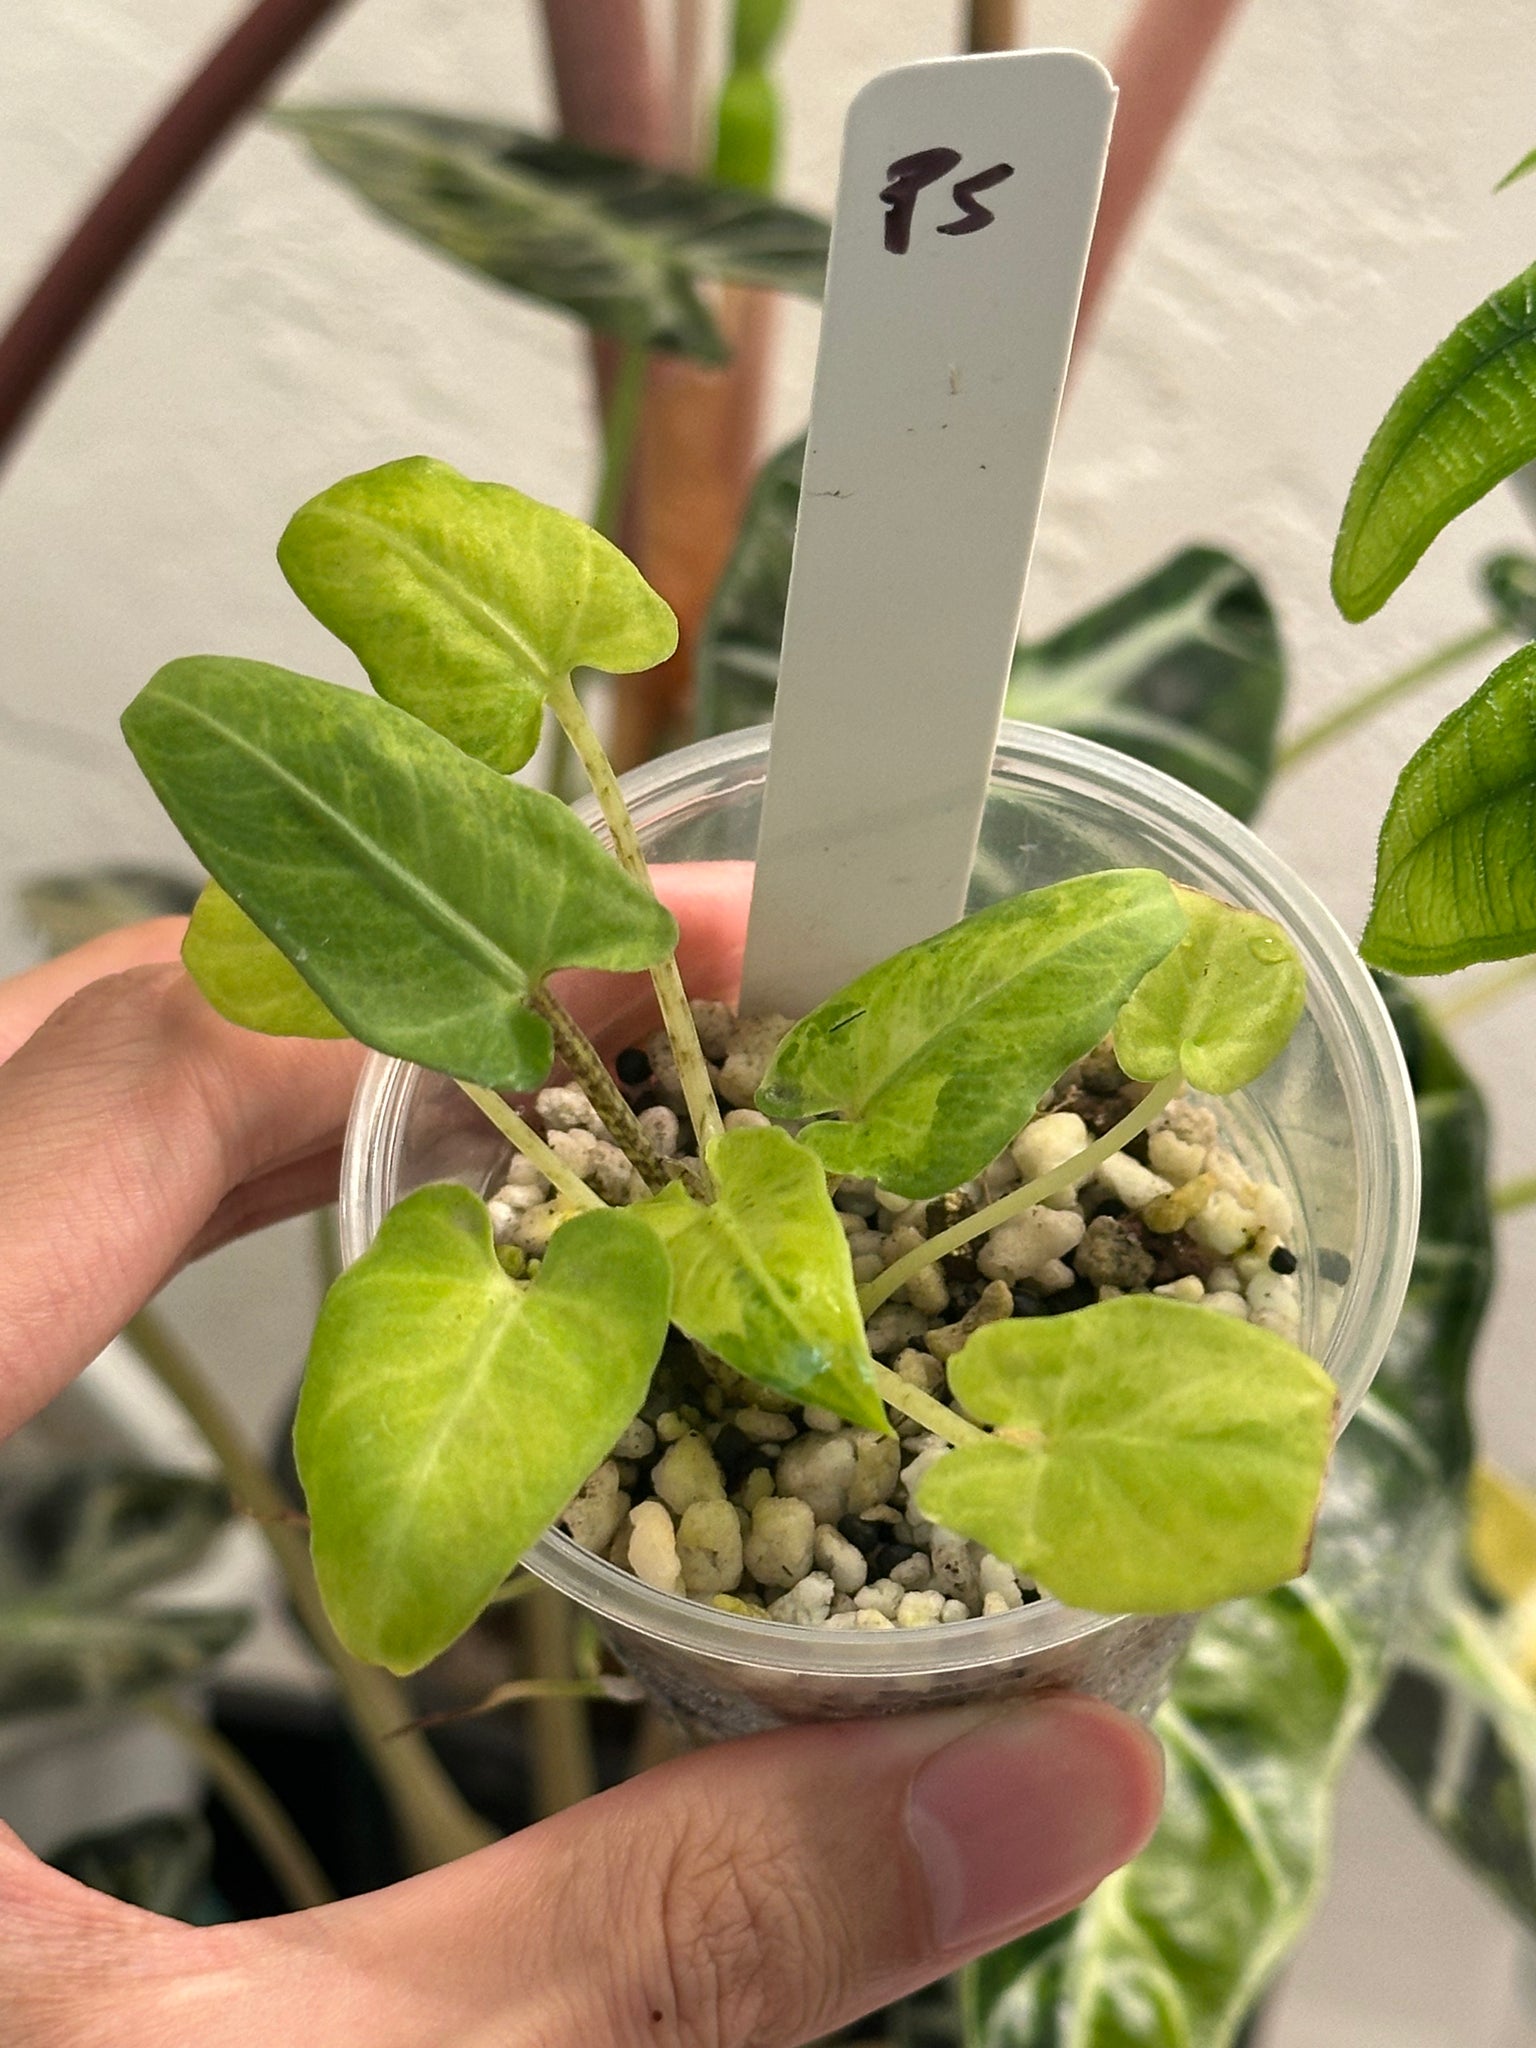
(1331, 1122)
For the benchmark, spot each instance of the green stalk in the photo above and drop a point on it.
(621, 433)
(561, 1177)
(1515, 1194)
(1490, 989)
(1367, 702)
(1076, 1168)
(698, 1090)
(898, 1393)
(563, 1769)
(264, 1823)
(434, 1824)
(599, 1086)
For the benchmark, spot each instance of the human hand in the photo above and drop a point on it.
(762, 1892)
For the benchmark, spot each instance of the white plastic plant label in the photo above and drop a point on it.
(965, 208)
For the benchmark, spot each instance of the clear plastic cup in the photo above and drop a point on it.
(1332, 1122)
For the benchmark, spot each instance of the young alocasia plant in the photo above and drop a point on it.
(375, 872)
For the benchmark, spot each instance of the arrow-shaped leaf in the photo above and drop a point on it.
(938, 1055)
(761, 1275)
(418, 893)
(1462, 423)
(467, 602)
(449, 1413)
(621, 245)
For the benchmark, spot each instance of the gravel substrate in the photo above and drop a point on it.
(724, 1492)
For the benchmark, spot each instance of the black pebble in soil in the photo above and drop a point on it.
(733, 1450)
(1333, 1266)
(1081, 1294)
(1282, 1260)
(866, 1537)
(633, 1066)
(1025, 1303)
(883, 1562)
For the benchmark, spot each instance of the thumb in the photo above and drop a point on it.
(763, 1892)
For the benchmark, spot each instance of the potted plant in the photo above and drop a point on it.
(1148, 1453)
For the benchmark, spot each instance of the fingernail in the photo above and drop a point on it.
(1018, 1819)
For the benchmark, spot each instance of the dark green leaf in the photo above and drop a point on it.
(1523, 169)
(1464, 421)
(761, 1276)
(1151, 1457)
(938, 1055)
(160, 1862)
(467, 602)
(1184, 670)
(246, 978)
(95, 1534)
(54, 1657)
(417, 892)
(737, 668)
(449, 1412)
(1220, 1007)
(1173, 1951)
(66, 910)
(1509, 584)
(1455, 876)
(622, 246)
(1458, 1729)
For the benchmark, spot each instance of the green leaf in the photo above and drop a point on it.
(449, 1413)
(467, 602)
(761, 1276)
(1523, 169)
(246, 978)
(737, 665)
(1183, 670)
(1275, 1691)
(1455, 881)
(1509, 584)
(67, 909)
(1464, 422)
(1153, 1458)
(1220, 1007)
(622, 246)
(939, 1054)
(418, 893)
(160, 1862)
(73, 1552)
(1458, 1730)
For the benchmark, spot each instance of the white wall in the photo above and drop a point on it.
(1327, 217)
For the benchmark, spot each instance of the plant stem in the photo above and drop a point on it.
(520, 1691)
(265, 1824)
(561, 1177)
(1365, 703)
(621, 427)
(1515, 1194)
(599, 1086)
(434, 1824)
(563, 1767)
(898, 1393)
(1151, 1106)
(698, 1090)
(1490, 989)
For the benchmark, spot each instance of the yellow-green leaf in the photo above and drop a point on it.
(246, 978)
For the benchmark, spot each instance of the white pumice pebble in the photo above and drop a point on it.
(921, 1370)
(1048, 1142)
(864, 1242)
(890, 1203)
(920, 1610)
(753, 1043)
(914, 1574)
(954, 1561)
(1188, 1287)
(758, 1485)
(893, 1326)
(1175, 1158)
(660, 1127)
(686, 1473)
(653, 1547)
(670, 1426)
(845, 1563)
(713, 1022)
(1026, 1243)
(1228, 1172)
(1255, 1260)
(1223, 1279)
(573, 1147)
(1227, 1304)
(611, 1175)
(1223, 1226)
(1273, 1210)
(857, 1197)
(665, 1079)
(871, 1618)
(1193, 1121)
(638, 1440)
(522, 1173)
(997, 1582)
(533, 1229)
(1131, 1182)
(999, 1178)
(954, 1610)
(1053, 1277)
(876, 1470)
(842, 1620)
(764, 1425)
(821, 1419)
(883, 1596)
(808, 1602)
(501, 1220)
(745, 1120)
(521, 1195)
(926, 1291)
(593, 1517)
(866, 1267)
(779, 1550)
(567, 1109)
(819, 1471)
(709, 1548)
(995, 1306)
